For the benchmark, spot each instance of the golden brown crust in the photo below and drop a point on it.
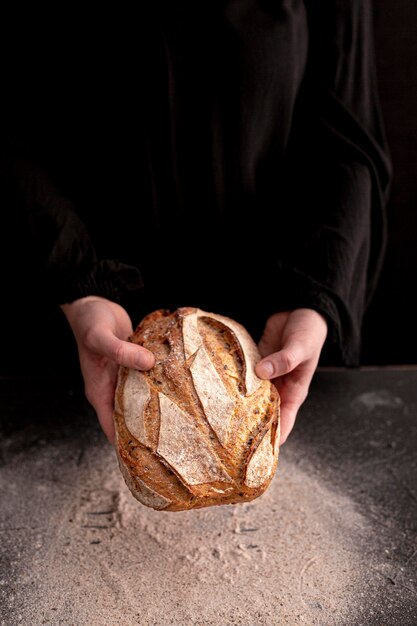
(200, 428)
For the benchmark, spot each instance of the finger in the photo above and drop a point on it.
(104, 342)
(281, 362)
(100, 377)
(100, 394)
(269, 342)
(105, 417)
(101, 399)
(288, 416)
(272, 336)
(293, 390)
(286, 425)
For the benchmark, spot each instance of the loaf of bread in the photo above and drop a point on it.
(199, 428)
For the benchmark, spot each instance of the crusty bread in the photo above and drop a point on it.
(200, 428)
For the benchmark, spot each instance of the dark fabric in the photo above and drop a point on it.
(228, 155)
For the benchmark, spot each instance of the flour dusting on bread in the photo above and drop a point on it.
(200, 428)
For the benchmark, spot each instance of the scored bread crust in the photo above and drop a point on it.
(199, 428)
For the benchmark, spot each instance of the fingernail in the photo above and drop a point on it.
(146, 361)
(265, 369)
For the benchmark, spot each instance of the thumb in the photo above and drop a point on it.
(122, 352)
(281, 362)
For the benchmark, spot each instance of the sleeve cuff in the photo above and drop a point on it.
(109, 279)
(343, 344)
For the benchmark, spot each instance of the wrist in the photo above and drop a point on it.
(79, 302)
(320, 320)
(77, 307)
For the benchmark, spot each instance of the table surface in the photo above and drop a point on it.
(332, 541)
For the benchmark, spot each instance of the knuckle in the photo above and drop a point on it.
(289, 360)
(90, 338)
(274, 319)
(120, 353)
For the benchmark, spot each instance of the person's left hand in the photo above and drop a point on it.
(291, 345)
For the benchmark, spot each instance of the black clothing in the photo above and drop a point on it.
(225, 154)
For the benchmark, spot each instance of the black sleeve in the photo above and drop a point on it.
(338, 175)
(40, 225)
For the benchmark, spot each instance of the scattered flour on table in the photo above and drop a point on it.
(292, 556)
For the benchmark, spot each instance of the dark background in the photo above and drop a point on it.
(37, 339)
(390, 335)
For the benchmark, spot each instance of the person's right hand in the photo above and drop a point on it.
(101, 328)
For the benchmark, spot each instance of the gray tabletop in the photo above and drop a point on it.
(332, 541)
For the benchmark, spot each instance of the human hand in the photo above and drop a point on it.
(101, 328)
(291, 345)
